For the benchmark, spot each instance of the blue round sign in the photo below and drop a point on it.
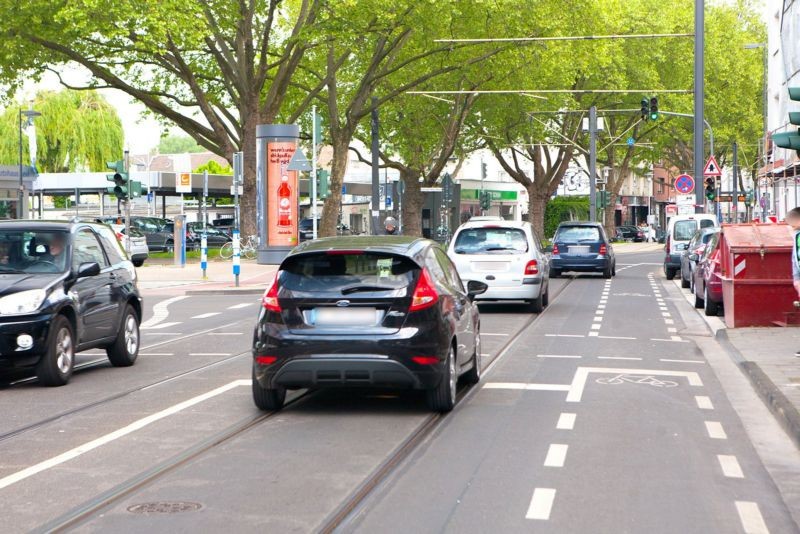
(684, 184)
(631, 141)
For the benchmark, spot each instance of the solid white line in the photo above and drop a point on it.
(703, 402)
(209, 354)
(228, 334)
(562, 335)
(594, 334)
(206, 315)
(160, 311)
(489, 334)
(715, 430)
(558, 356)
(112, 436)
(556, 455)
(616, 337)
(680, 361)
(669, 340)
(617, 358)
(566, 421)
(730, 466)
(530, 387)
(239, 306)
(164, 334)
(749, 515)
(159, 326)
(541, 503)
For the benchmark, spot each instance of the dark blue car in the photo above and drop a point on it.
(582, 247)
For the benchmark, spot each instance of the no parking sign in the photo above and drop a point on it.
(684, 184)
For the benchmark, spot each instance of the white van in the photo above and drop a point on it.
(680, 230)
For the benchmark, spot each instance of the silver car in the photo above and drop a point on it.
(507, 256)
(136, 244)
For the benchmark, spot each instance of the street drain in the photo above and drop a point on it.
(164, 507)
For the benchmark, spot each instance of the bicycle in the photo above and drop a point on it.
(248, 248)
(647, 380)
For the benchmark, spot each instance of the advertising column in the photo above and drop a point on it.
(278, 222)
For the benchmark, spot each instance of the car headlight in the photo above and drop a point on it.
(22, 302)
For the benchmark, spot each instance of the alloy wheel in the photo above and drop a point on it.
(131, 335)
(451, 364)
(64, 351)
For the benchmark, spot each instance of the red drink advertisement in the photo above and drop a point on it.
(281, 195)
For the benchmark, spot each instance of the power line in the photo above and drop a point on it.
(564, 38)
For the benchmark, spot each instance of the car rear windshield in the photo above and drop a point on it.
(346, 273)
(684, 230)
(491, 241)
(578, 233)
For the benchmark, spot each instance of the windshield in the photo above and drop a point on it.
(491, 241)
(33, 252)
(347, 273)
(684, 230)
(576, 234)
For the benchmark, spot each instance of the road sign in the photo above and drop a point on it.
(684, 184)
(183, 182)
(711, 168)
(631, 141)
(671, 209)
(299, 162)
(685, 200)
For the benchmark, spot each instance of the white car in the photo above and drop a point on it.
(135, 244)
(507, 256)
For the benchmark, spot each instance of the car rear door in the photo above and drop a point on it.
(462, 309)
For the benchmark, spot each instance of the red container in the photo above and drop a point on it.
(757, 287)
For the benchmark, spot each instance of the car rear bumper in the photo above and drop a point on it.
(672, 261)
(10, 354)
(528, 290)
(579, 264)
(355, 371)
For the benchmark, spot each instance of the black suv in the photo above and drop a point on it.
(64, 288)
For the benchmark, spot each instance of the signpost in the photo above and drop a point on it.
(204, 237)
(238, 179)
(712, 167)
(684, 184)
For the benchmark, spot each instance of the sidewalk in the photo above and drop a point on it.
(624, 247)
(253, 278)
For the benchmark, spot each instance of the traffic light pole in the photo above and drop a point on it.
(699, 88)
(593, 163)
(314, 171)
(376, 179)
(735, 188)
(127, 161)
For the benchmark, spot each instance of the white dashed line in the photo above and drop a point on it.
(672, 330)
(669, 321)
(618, 358)
(704, 403)
(239, 306)
(542, 503)
(209, 354)
(669, 340)
(676, 338)
(594, 334)
(665, 314)
(595, 327)
(616, 337)
(556, 455)
(730, 466)
(749, 514)
(228, 333)
(558, 356)
(561, 335)
(157, 354)
(566, 421)
(715, 430)
(205, 315)
(680, 361)
(490, 334)
(529, 387)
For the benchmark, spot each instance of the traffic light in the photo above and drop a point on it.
(120, 179)
(603, 198)
(653, 108)
(790, 139)
(749, 197)
(645, 109)
(486, 200)
(483, 171)
(323, 184)
(711, 188)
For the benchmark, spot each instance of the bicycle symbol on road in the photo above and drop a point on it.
(648, 380)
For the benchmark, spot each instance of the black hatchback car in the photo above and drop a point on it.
(582, 247)
(377, 311)
(65, 287)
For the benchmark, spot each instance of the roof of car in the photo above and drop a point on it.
(403, 245)
(485, 222)
(579, 223)
(36, 225)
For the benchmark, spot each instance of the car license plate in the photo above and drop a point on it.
(580, 249)
(495, 266)
(344, 316)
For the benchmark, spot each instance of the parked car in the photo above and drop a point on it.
(630, 233)
(385, 311)
(680, 230)
(708, 278)
(694, 249)
(582, 247)
(67, 287)
(158, 232)
(305, 229)
(215, 237)
(135, 244)
(507, 256)
(225, 225)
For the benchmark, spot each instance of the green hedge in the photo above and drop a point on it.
(562, 209)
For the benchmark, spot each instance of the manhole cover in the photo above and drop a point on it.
(164, 507)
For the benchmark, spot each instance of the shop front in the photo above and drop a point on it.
(9, 190)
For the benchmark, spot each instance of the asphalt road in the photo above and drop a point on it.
(607, 413)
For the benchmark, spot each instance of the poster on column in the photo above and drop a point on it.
(281, 195)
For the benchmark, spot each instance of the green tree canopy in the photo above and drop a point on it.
(178, 144)
(214, 168)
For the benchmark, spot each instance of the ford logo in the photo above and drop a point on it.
(343, 303)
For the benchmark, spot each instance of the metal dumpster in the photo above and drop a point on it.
(757, 287)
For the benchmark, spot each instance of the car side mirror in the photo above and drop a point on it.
(89, 268)
(475, 288)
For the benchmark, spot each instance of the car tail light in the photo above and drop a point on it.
(603, 249)
(425, 294)
(425, 360)
(532, 267)
(266, 360)
(555, 249)
(270, 298)
(666, 248)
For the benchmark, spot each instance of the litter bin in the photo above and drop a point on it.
(757, 287)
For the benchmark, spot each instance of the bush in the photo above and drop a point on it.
(562, 209)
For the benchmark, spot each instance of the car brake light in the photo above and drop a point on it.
(270, 299)
(603, 249)
(425, 360)
(425, 294)
(532, 267)
(555, 250)
(119, 236)
(266, 360)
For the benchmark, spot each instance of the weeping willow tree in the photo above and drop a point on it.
(77, 131)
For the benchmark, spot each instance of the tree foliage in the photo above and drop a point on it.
(178, 144)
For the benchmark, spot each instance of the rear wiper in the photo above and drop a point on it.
(357, 289)
(490, 249)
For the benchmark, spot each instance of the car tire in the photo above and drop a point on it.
(607, 272)
(614, 269)
(698, 302)
(546, 297)
(684, 282)
(138, 263)
(537, 304)
(125, 349)
(711, 308)
(442, 398)
(268, 399)
(473, 376)
(169, 247)
(670, 273)
(58, 362)
(555, 273)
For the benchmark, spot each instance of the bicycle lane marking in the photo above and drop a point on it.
(161, 312)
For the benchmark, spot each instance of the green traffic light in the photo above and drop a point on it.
(653, 115)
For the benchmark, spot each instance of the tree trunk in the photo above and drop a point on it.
(611, 211)
(248, 209)
(330, 211)
(537, 203)
(412, 204)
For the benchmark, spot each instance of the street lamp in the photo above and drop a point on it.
(30, 114)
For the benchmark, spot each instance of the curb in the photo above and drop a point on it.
(784, 411)
(226, 291)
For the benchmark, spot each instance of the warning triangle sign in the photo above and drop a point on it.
(712, 168)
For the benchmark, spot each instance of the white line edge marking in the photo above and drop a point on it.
(562, 335)
(210, 354)
(680, 361)
(239, 306)
(715, 430)
(566, 421)
(618, 358)
(206, 315)
(524, 386)
(616, 337)
(730, 466)
(228, 333)
(750, 516)
(156, 354)
(159, 326)
(491, 334)
(112, 436)
(558, 356)
(703, 402)
(556, 455)
(541, 503)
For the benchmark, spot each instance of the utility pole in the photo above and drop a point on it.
(593, 163)
(699, 87)
(376, 180)
(126, 158)
(735, 188)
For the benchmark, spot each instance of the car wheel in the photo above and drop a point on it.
(670, 273)
(711, 308)
(607, 272)
(614, 269)
(169, 247)
(555, 273)
(442, 398)
(698, 302)
(267, 399)
(125, 349)
(57, 364)
(684, 282)
(537, 304)
(138, 263)
(546, 297)
(473, 376)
